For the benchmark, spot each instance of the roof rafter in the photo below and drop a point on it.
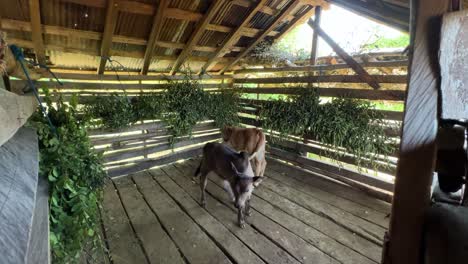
(154, 35)
(109, 28)
(298, 19)
(281, 16)
(36, 30)
(197, 34)
(234, 36)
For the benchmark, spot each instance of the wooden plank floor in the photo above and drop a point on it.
(297, 217)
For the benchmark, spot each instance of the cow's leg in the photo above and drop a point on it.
(240, 216)
(258, 167)
(262, 171)
(203, 181)
(248, 211)
(227, 187)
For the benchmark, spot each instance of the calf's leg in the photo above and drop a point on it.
(203, 182)
(240, 216)
(248, 211)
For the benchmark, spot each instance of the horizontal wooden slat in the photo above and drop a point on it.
(388, 95)
(325, 78)
(149, 163)
(156, 125)
(126, 77)
(383, 64)
(353, 175)
(128, 154)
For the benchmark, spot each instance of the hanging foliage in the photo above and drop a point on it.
(75, 176)
(114, 111)
(223, 108)
(149, 106)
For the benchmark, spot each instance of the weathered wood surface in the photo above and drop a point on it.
(232, 245)
(39, 245)
(389, 95)
(454, 66)
(323, 78)
(14, 112)
(285, 227)
(331, 67)
(158, 246)
(195, 245)
(417, 147)
(297, 248)
(123, 244)
(19, 167)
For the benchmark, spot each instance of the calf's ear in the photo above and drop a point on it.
(257, 180)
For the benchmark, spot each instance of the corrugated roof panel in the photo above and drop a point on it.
(133, 25)
(73, 60)
(18, 10)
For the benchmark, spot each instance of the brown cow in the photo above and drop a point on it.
(250, 140)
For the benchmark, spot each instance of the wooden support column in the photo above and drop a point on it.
(234, 36)
(154, 35)
(36, 30)
(284, 13)
(360, 71)
(109, 28)
(197, 34)
(313, 52)
(417, 147)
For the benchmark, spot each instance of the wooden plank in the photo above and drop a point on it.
(36, 30)
(276, 207)
(347, 173)
(127, 154)
(278, 19)
(295, 21)
(128, 77)
(123, 245)
(352, 207)
(157, 244)
(14, 112)
(149, 163)
(372, 64)
(228, 241)
(324, 183)
(197, 34)
(234, 36)
(154, 35)
(388, 95)
(313, 52)
(362, 73)
(453, 62)
(295, 249)
(417, 147)
(324, 78)
(195, 245)
(109, 28)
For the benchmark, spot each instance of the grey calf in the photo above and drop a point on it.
(235, 169)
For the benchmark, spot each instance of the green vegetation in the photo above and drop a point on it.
(113, 111)
(75, 178)
(342, 123)
(401, 41)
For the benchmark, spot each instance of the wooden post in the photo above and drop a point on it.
(36, 30)
(109, 28)
(362, 73)
(313, 52)
(417, 147)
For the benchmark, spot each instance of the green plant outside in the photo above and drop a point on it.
(75, 177)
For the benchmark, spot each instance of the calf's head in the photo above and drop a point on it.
(243, 184)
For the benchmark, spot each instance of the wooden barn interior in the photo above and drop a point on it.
(314, 205)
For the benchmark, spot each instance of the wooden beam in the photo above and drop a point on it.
(324, 78)
(36, 36)
(295, 21)
(154, 35)
(363, 74)
(197, 34)
(418, 142)
(109, 28)
(313, 52)
(285, 12)
(234, 36)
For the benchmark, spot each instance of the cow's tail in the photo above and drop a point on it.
(260, 144)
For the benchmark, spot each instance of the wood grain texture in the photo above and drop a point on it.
(36, 30)
(454, 66)
(417, 148)
(313, 51)
(109, 28)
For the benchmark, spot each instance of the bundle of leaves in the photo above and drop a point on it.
(223, 108)
(353, 125)
(75, 176)
(291, 115)
(114, 111)
(186, 104)
(148, 106)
